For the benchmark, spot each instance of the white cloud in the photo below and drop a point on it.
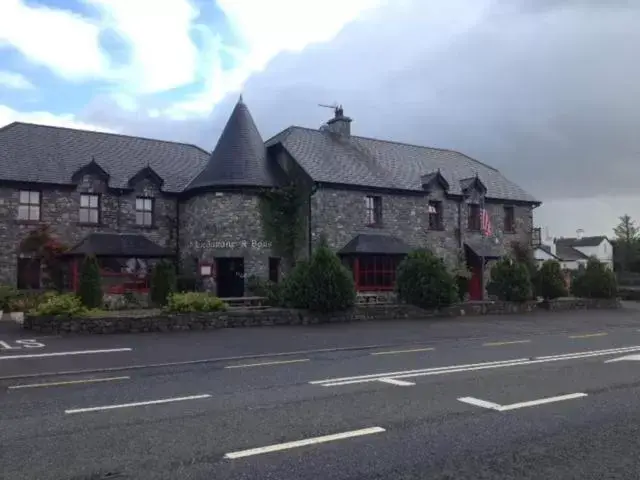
(8, 115)
(266, 29)
(57, 39)
(15, 80)
(163, 54)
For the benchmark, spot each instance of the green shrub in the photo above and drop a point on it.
(551, 281)
(67, 304)
(194, 302)
(510, 281)
(90, 290)
(424, 281)
(330, 283)
(294, 290)
(163, 283)
(265, 288)
(7, 296)
(595, 281)
(524, 255)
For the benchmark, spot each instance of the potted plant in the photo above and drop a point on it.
(16, 307)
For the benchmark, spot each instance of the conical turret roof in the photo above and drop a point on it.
(239, 158)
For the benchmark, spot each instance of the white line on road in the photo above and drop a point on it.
(70, 382)
(62, 354)
(403, 351)
(498, 344)
(589, 335)
(503, 408)
(467, 368)
(136, 404)
(303, 443)
(393, 381)
(267, 363)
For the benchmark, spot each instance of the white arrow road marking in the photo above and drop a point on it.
(393, 381)
(628, 357)
(503, 408)
(376, 377)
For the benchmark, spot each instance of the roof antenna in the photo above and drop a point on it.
(337, 109)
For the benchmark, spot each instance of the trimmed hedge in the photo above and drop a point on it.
(551, 282)
(163, 283)
(595, 281)
(424, 281)
(510, 281)
(90, 289)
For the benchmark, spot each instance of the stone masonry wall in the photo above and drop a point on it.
(224, 225)
(341, 215)
(60, 210)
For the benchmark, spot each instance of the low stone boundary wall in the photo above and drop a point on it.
(122, 322)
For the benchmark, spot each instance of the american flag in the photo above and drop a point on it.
(485, 223)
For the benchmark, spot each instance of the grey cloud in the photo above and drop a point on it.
(546, 91)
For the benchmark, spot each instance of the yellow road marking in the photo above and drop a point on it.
(601, 334)
(70, 382)
(267, 363)
(497, 344)
(403, 351)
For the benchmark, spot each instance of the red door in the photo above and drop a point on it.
(475, 285)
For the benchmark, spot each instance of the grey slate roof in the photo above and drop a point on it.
(375, 244)
(39, 153)
(119, 245)
(368, 162)
(581, 242)
(44, 154)
(240, 156)
(568, 253)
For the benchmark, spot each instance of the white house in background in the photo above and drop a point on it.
(573, 252)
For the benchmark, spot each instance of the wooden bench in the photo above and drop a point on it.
(373, 298)
(244, 301)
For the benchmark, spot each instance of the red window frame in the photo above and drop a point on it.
(374, 273)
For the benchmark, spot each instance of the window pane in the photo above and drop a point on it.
(148, 218)
(139, 218)
(93, 201)
(23, 212)
(84, 200)
(139, 203)
(24, 196)
(148, 204)
(93, 216)
(34, 198)
(84, 215)
(34, 212)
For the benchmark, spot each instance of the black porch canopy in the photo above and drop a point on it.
(485, 248)
(375, 244)
(119, 245)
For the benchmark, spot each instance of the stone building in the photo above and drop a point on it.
(131, 200)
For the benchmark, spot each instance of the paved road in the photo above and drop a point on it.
(377, 413)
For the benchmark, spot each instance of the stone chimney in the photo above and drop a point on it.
(340, 124)
(579, 234)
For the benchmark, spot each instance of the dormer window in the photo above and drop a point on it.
(89, 208)
(435, 216)
(374, 210)
(144, 211)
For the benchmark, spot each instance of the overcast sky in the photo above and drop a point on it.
(547, 91)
